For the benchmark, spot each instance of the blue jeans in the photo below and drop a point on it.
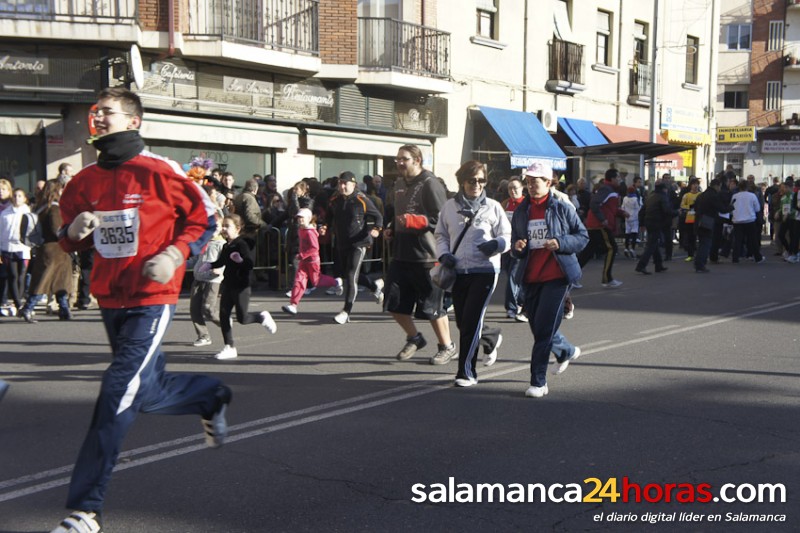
(544, 303)
(512, 297)
(33, 300)
(704, 239)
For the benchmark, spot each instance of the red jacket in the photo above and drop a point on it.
(604, 207)
(169, 209)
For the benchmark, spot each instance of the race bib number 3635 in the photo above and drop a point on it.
(118, 233)
(537, 233)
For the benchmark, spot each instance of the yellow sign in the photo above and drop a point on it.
(687, 137)
(688, 158)
(736, 134)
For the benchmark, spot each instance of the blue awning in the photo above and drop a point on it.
(582, 132)
(525, 138)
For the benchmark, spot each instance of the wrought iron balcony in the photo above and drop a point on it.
(388, 44)
(276, 24)
(641, 84)
(80, 11)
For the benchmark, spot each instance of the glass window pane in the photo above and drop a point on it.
(744, 37)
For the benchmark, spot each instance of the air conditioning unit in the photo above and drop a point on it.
(549, 120)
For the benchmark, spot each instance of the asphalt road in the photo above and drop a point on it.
(685, 380)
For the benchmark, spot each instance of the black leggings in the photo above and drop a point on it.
(240, 300)
(348, 265)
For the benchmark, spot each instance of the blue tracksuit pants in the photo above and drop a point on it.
(135, 382)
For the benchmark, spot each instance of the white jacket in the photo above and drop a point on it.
(745, 207)
(10, 220)
(490, 222)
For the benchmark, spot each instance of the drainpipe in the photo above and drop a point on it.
(171, 22)
(619, 64)
(525, 59)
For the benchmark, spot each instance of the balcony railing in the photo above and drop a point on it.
(388, 44)
(641, 80)
(82, 11)
(276, 24)
(566, 61)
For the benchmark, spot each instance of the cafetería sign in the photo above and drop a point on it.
(736, 134)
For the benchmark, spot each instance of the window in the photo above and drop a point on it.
(772, 102)
(739, 37)
(735, 98)
(390, 9)
(603, 38)
(487, 19)
(775, 41)
(692, 51)
(640, 42)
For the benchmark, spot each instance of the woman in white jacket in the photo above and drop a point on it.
(15, 255)
(476, 260)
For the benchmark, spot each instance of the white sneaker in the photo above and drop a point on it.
(466, 382)
(291, 309)
(378, 292)
(341, 317)
(613, 284)
(520, 317)
(79, 522)
(563, 366)
(202, 341)
(490, 358)
(577, 285)
(288, 294)
(793, 259)
(309, 291)
(536, 392)
(336, 290)
(228, 352)
(268, 322)
(569, 313)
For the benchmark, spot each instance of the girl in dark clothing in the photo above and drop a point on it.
(237, 256)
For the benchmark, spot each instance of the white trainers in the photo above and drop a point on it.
(228, 352)
(378, 292)
(291, 309)
(520, 317)
(341, 317)
(490, 358)
(563, 366)
(613, 284)
(288, 294)
(336, 290)
(466, 382)
(268, 322)
(569, 311)
(80, 522)
(202, 341)
(536, 392)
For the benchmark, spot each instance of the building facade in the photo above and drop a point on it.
(313, 87)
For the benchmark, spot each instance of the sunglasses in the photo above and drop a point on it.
(476, 181)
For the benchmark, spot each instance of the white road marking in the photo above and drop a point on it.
(338, 408)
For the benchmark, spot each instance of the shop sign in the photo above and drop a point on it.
(307, 94)
(732, 148)
(775, 146)
(21, 64)
(166, 73)
(736, 134)
(236, 85)
(682, 118)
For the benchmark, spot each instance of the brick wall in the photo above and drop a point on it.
(764, 65)
(338, 32)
